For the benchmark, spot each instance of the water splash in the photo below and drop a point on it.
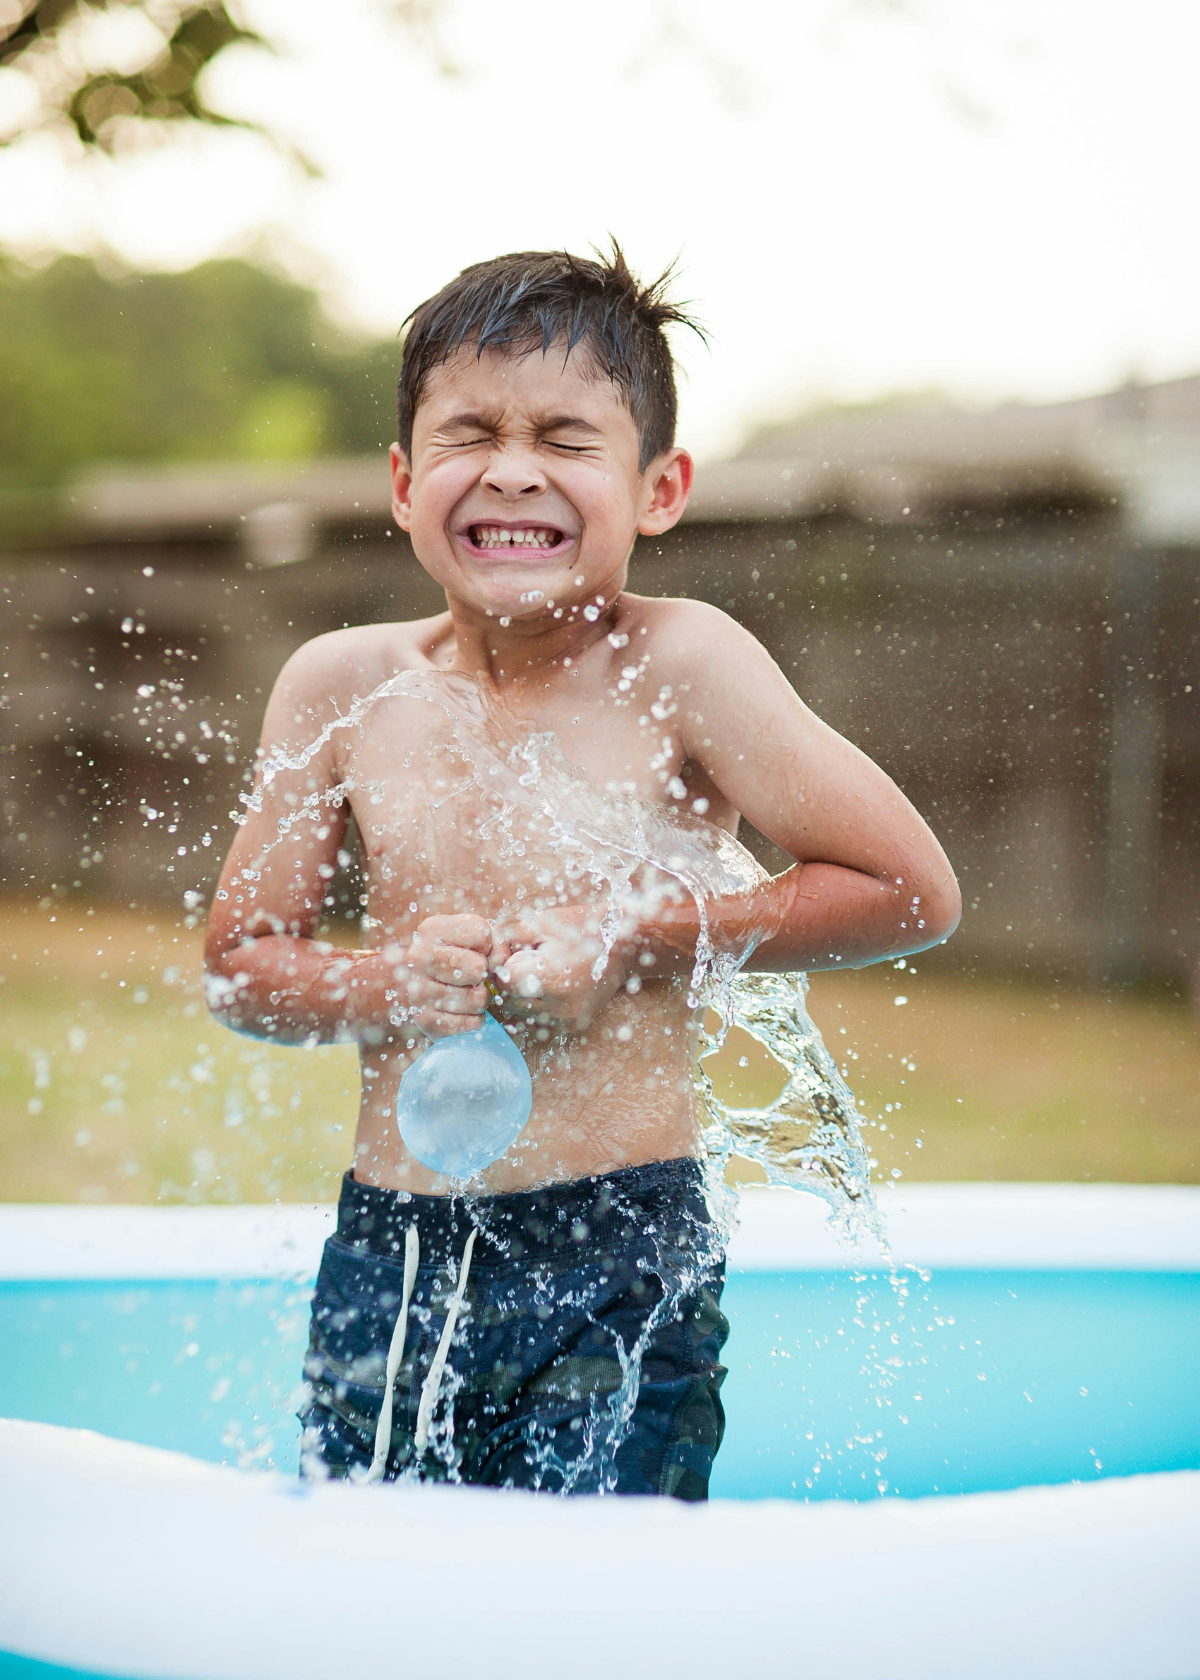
(629, 856)
(810, 1136)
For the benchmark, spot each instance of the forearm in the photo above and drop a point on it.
(832, 917)
(815, 915)
(299, 991)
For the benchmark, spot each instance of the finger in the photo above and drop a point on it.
(469, 930)
(436, 1023)
(448, 965)
(454, 1000)
(458, 1000)
(455, 966)
(524, 980)
(517, 934)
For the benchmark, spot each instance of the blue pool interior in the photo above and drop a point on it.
(13, 1667)
(974, 1380)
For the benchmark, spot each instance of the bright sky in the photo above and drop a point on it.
(993, 197)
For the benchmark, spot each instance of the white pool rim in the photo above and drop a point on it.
(128, 1561)
(131, 1561)
(1105, 1227)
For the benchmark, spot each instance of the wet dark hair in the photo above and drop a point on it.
(532, 299)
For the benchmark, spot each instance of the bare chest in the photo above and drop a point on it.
(459, 811)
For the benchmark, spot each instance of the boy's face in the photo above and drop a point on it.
(524, 487)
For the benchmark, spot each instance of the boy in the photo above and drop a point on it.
(576, 1285)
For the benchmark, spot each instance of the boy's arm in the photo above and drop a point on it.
(870, 880)
(265, 973)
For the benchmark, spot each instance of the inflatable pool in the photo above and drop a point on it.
(120, 1559)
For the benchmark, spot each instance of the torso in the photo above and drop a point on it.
(437, 839)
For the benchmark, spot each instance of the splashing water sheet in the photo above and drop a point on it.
(502, 803)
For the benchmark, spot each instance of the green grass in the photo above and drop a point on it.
(115, 1085)
(996, 1079)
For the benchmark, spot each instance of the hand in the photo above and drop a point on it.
(442, 974)
(544, 962)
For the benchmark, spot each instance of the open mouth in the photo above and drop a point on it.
(510, 539)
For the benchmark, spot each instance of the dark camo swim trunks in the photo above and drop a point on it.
(586, 1353)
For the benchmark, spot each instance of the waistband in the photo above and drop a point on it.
(663, 1200)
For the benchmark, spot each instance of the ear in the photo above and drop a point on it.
(401, 488)
(669, 480)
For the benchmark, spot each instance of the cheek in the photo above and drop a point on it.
(604, 503)
(440, 493)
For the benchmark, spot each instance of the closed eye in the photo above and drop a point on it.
(591, 446)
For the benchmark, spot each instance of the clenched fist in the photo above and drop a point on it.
(546, 965)
(442, 974)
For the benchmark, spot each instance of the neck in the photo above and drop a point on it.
(508, 654)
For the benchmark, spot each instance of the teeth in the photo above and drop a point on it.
(501, 536)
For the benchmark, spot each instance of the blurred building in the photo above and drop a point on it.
(1003, 608)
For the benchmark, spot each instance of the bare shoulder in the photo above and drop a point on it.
(351, 662)
(718, 679)
(683, 637)
(326, 676)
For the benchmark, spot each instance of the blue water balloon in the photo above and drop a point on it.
(465, 1101)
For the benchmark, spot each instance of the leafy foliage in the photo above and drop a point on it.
(41, 39)
(224, 361)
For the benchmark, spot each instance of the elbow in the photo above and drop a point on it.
(222, 996)
(219, 988)
(940, 911)
(224, 986)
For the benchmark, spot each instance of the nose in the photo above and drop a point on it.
(514, 472)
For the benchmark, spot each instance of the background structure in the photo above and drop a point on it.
(1003, 608)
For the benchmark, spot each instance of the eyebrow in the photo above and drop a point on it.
(470, 419)
(480, 422)
(567, 423)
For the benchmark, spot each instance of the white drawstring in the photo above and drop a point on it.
(383, 1429)
(429, 1388)
(433, 1381)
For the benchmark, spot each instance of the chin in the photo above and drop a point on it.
(525, 596)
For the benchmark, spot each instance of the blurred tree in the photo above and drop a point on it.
(224, 361)
(422, 21)
(71, 52)
(47, 41)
